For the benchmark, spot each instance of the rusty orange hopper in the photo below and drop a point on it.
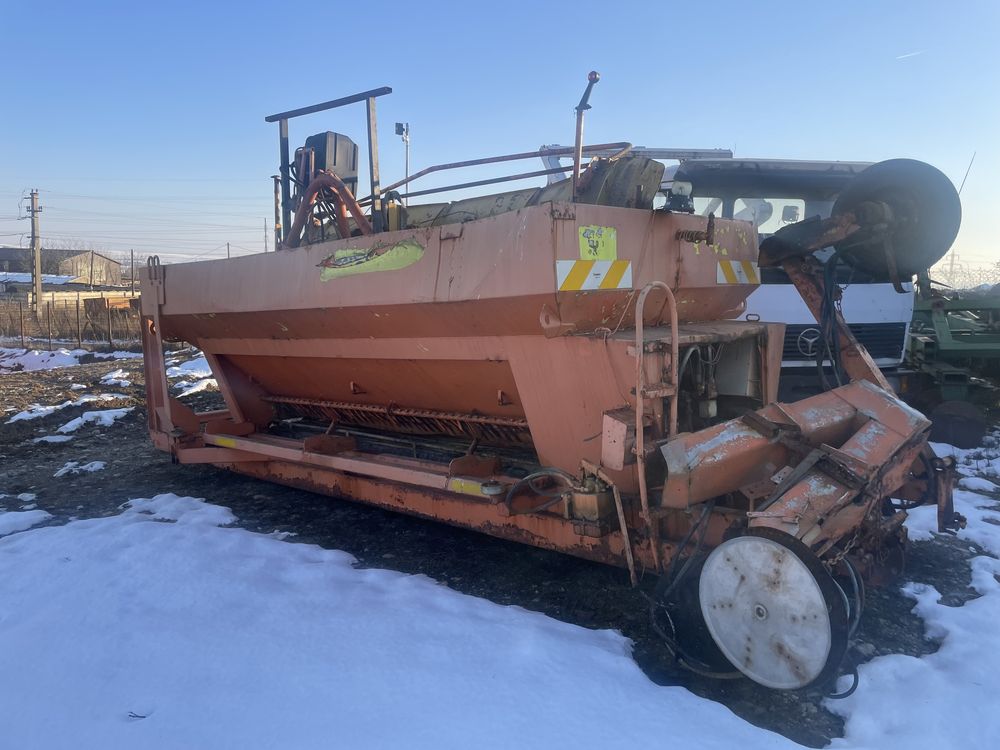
(559, 366)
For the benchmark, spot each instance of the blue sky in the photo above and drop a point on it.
(143, 126)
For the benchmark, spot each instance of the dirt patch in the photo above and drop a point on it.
(587, 594)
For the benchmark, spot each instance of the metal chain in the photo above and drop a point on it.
(834, 561)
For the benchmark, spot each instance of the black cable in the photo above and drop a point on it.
(850, 691)
(666, 586)
(828, 319)
(555, 496)
(859, 597)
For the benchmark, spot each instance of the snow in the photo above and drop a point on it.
(52, 439)
(161, 628)
(32, 360)
(14, 521)
(74, 467)
(188, 388)
(138, 628)
(192, 369)
(117, 355)
(78, 387)
(29, 360)
(36, 410)
(978, 484)
(117, 378)
(104, 418)
(945, 703)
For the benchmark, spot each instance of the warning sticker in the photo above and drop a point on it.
(584, 275)
(737, 272)
(598, 243)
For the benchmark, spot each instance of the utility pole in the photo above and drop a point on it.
(132, 275)
(227, 250)
(265, 235)
(36, 252)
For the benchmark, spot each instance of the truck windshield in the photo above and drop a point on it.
(769, 214)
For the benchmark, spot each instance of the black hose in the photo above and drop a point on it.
(555, 497)
(828, 324)
(666, 586)
(859, 597)
(850, 691)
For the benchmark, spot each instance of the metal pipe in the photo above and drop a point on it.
(277, 211)
(640, 387)
(592, 78)
(480, 183)
(564, 151)
(332, 104)
(378, 219)
(620, 509)
(286, 184)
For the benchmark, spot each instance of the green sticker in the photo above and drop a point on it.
(598, 243)
(353, 260)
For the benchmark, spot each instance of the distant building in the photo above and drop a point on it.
(18, 259)
(92, 268)
(89, 267)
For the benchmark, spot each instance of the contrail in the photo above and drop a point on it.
(910, 54)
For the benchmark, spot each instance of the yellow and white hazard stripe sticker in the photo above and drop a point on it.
(737, 272)
(583, 275)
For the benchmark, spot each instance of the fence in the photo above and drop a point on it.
(107, 321)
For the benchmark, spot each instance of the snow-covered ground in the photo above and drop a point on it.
(163, 628)
(104, 418)
(189, 369)
(35, 411)
(16, 360)
(196, 374)
(167, 627)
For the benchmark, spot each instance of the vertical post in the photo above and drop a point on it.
(378, 220)
(20, 318)
(132, 274)
(265, 235)
(111, 341)
(91, 270)
(286, 177)
(79, 329)
(48, 321)
(592, 78)
(36, 252)
(277, 211)
(227, 251)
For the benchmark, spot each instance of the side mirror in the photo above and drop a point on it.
(790, 214)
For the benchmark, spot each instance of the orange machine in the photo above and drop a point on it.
(560, 366)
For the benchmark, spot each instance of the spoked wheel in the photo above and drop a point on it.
(774, 611)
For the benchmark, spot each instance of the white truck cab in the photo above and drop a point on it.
(772, 193)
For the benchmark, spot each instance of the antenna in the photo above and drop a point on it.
(969, 169)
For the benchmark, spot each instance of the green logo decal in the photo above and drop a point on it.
(379, 257)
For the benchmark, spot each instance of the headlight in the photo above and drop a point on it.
(681, 188)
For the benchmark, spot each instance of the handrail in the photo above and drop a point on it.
(640, 387)
(622, 149)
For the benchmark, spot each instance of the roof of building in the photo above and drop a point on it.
(10, 252)
(25, 278)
